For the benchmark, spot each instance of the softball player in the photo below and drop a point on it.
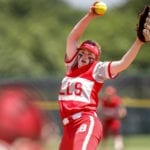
(112, 111)
(85, 76)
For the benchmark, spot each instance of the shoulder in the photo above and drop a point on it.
(100, 71)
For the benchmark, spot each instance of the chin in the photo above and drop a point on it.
(82, 65)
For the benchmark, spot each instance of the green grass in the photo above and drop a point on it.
(134, 142)
(137, 142)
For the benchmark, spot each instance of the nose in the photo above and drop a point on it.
(85, 56)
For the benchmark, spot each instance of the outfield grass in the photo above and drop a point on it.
(137, 142)
(134, 142)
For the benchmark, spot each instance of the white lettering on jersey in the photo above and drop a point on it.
(76, 89)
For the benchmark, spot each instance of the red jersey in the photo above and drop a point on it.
(80, 87)
(110, 107)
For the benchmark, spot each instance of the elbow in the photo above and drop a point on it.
(72, 39)
(124, 64)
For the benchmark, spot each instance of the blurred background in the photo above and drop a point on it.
(32, 48)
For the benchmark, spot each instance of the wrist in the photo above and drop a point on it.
(89, 15)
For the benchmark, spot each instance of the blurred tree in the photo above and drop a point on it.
(33, 34)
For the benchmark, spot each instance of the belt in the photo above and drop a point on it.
(75, 116)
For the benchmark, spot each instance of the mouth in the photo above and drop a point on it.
(83, 61)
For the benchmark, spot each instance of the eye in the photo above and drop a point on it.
(80, 55)
(91, 58)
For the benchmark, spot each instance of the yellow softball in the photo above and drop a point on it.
(100, 8)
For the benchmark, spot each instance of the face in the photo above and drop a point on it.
(85, 57)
